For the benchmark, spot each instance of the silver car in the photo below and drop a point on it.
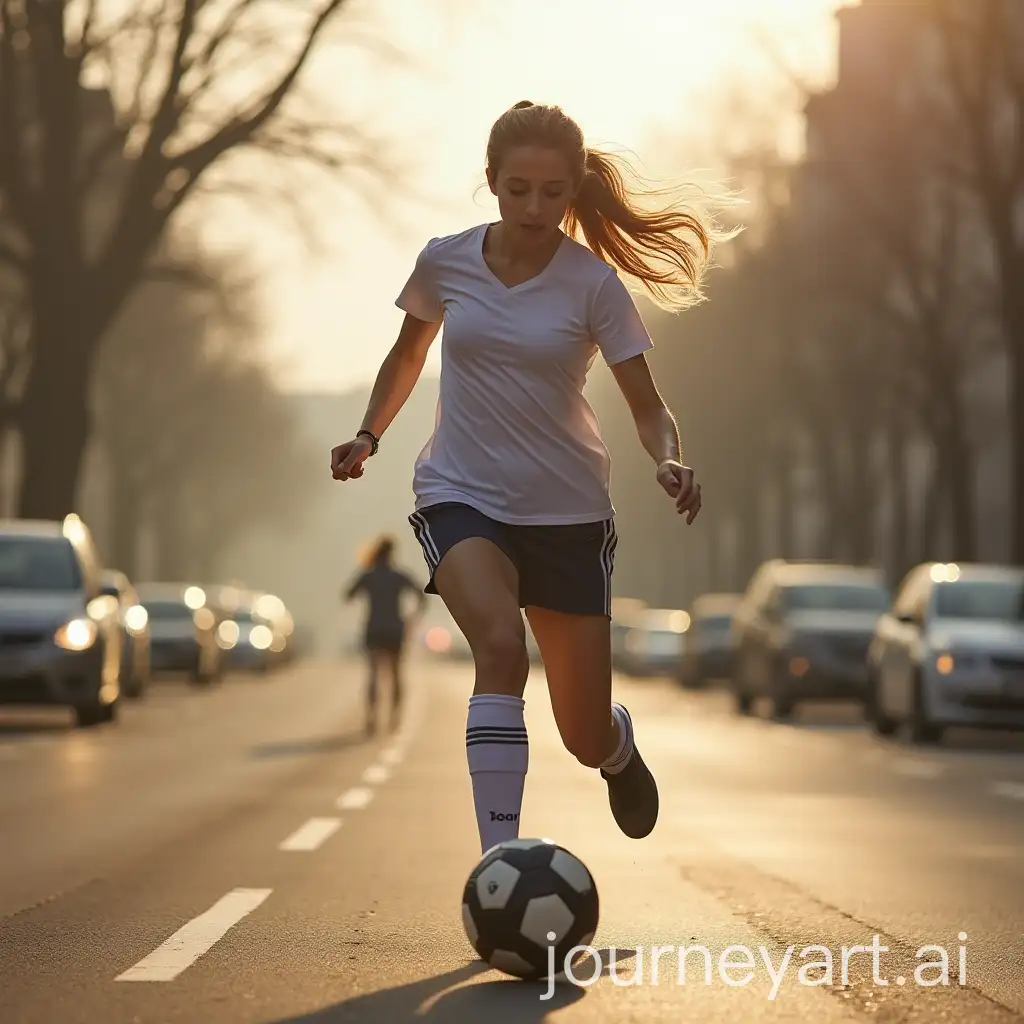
(950, 652)
(60, 637)
(802, 632)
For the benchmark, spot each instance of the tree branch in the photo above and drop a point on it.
(160, 183)
(13, 165)
(239, 129)
(10, 255)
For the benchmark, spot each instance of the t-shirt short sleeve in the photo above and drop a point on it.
(419, 297)
(615, 322)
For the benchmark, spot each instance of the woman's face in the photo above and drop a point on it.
(534, 188)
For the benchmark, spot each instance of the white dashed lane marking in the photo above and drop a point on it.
(916, 769)
(311, 835)
(355, 799)
(1011, 790)
(197, 937)
(376, 774)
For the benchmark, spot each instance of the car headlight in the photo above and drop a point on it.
(76, 635)
(260, 637)
(948, 662)
(136, 619)
(228, 633)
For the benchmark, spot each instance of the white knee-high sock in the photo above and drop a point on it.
(498, 753)
(624, 751)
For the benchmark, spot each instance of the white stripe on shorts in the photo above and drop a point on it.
(422, 531)
(608, 561)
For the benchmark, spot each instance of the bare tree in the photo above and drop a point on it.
(251, 469)
(201, 447)
(898, 243)
(981, 94)
(89, 199)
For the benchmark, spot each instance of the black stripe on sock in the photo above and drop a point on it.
(495, 730)
(510, 742)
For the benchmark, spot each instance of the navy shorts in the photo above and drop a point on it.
(387, 638)
(565, 568)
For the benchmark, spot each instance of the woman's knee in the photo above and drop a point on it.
(500, 654)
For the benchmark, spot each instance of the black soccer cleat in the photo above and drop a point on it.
(633, 796)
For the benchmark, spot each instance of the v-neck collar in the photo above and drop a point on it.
(522, 284)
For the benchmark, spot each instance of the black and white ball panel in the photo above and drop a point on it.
(521, 892)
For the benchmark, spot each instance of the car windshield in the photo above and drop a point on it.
(715, 625)
(999, 600)
(39, 563)
(663, 641)
(167, 609)
(846, 597)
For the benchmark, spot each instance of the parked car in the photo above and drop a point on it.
(439, 636)
(950, 651)
(247, 639)
(60, 637)
(654, 641)
(182, 630)
(274, 613)
(134, 620)
(802, 632)
(624, 610)
(707, 653)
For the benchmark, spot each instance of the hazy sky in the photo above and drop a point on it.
(655, 76)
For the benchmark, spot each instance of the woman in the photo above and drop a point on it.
(383, 586)
(512, 490)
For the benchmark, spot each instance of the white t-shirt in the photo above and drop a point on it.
(514, 437)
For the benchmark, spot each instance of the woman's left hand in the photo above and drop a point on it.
(680, 484)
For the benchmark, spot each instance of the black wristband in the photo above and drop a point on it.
(374, 440)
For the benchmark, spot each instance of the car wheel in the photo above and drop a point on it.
(922, 728)
(782, 699)
(199, 675)
(742, 699)
(880, 722)
(134, 686)
(783, 706)
(92, 715)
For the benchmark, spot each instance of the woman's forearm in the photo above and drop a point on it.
(659, 435)
(396, 378)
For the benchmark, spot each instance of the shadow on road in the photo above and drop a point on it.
(848, 720)
(447, 999)
(305, 747)
(29, 726)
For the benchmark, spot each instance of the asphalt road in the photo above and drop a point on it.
(246, 855)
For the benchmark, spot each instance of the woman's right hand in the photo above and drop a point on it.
(347, 459)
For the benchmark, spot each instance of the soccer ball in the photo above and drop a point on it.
(521, 892)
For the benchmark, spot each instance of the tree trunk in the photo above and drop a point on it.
(829, 538)
(932, 508)
(960, 483)
(900, 555)
(1013, 305)
(54, 418)
(749, 524)
(858, 506)
(713, 557)
(786, 508)
(170, 530)
(126, 515)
